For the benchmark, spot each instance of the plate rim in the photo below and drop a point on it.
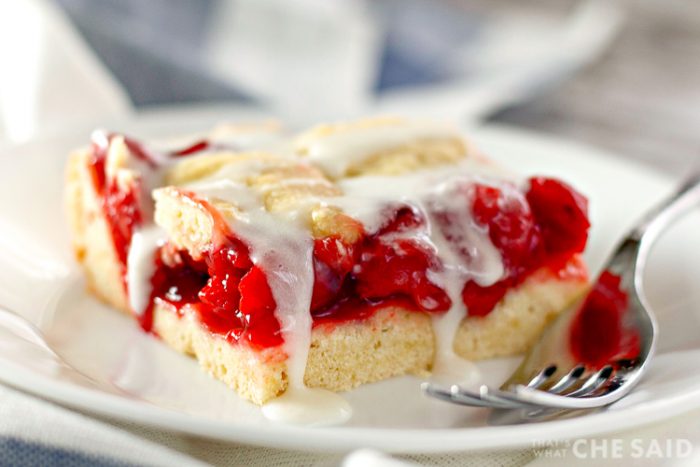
(341, 439)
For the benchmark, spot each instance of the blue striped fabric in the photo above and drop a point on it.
(15, 452)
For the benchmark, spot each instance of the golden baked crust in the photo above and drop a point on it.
(420, 152)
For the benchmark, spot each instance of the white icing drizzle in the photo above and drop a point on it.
(140, 265)
(365, 197)
(284, 251)
(295, 182)
(335, 153)
(482, 263)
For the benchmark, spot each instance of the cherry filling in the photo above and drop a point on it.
(197, 146)
(388, 267)
(121, 205)
(543, 230)
(543, 227)
(229, 294)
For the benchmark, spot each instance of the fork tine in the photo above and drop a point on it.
(462, 396)
(594, 382)
(495, 398)
(510, 397)
(542, 376)
(447, 395)
(568, 380)
(575, 399)
(526, 397)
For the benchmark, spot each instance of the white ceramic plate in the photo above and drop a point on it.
(124, 373)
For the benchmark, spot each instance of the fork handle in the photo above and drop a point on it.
(666, 213)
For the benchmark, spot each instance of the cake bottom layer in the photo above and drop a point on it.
(391, 342)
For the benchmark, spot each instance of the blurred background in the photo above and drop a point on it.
(619, 75)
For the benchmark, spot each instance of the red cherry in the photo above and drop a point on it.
(561, 214)
(480, 301)
(399, 267)
(403, 219)
(333, 261)
(510, 223)
(221, 292)
(234, 255)
(122, 207)
(225, 266)
(256, 296)
(257, 307)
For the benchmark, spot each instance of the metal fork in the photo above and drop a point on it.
(550, 376)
